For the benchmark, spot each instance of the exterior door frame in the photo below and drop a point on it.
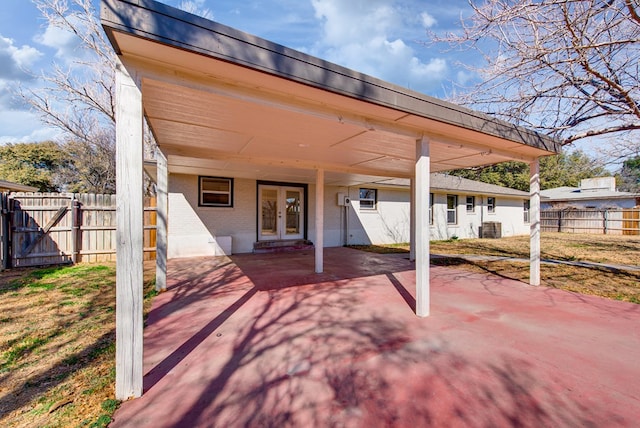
(305, 203)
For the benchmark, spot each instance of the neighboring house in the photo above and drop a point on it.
(593, 193)
(8, 186)
(464, 206)
(224, 215)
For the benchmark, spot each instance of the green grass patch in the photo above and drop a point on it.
(102, 422)
(42, 285)
(77, 271)
(21, 348)
(110, 405)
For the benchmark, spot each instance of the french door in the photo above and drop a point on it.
(280, 212)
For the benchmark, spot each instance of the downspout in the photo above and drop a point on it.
(347, 208)
(481, 216)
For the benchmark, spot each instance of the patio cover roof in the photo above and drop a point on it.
(223, 102)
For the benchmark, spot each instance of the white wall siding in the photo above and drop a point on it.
(201, 231)
(439, 228)
(510, 213)
(333, 221)
(387, 224)
(193, 230)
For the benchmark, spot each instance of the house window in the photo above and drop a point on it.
(430, 208)
(452, 209)
(216, 192)
(368, 199)
(471, 204)
(491, 205)
(526, 211)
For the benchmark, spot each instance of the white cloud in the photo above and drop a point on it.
(66, 44)
(367, 36)
(463, 77)
(15, 61)
(356, 21)
(24, 127)
(427, 20)
(196, 7)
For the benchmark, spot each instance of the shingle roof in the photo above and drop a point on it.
(15, 187)
(447, 182)
(452, 182)
(575, 193)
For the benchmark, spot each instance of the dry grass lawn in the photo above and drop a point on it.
(57, 324)
(614, 249)
(610, 249)
(57, 351)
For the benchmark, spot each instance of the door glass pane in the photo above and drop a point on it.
(269, 212)
(293, 212)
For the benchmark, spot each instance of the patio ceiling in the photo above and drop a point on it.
(222, 102)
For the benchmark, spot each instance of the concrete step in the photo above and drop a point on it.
(263, 247)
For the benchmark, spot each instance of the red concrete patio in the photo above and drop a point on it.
(259, 340)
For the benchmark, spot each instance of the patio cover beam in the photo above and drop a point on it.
(534, 221)
(412, 219)
(162, 209)
(422, 232)
(319, 244)
(129, 236)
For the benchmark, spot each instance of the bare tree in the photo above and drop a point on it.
(568, 68)
(79, 96)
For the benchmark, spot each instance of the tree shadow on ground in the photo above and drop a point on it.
(320, 354)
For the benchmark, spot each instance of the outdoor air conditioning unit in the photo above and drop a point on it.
(491, 229)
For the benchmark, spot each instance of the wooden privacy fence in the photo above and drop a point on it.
(608, 222)
(55, 228)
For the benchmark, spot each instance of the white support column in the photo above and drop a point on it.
(129, 236)
(319, 244)
(421, 200)
(412, 219)
(534, 220)
(162, 210)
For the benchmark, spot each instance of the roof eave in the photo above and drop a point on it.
(163, 24)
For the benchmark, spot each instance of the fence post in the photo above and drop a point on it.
(605, 220)
(74, 228)
(5, 230)
(559, 220)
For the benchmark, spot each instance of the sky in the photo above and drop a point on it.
(383, 38)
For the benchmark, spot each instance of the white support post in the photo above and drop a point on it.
(421, 200)
(412, 219)
(534, 220)
(319, 221)
(162, 210)
(129, 236)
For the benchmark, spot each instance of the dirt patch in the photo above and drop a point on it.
(57, 345)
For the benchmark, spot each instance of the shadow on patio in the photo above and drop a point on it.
(259, 340)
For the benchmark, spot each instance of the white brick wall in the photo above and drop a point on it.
(195, 231)
(509, 212)
(387, 224)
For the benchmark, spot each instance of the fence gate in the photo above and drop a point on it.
(55, 228)
(42, 229)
